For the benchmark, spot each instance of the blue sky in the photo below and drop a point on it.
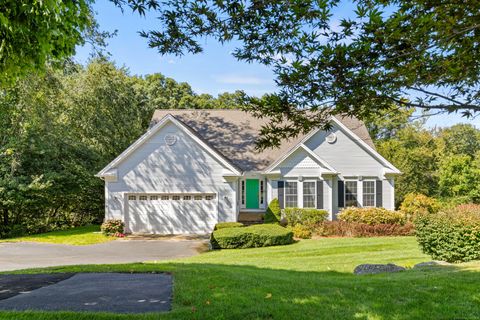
(214, 71)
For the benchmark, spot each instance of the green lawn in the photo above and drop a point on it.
(311, 279)
(77, 236)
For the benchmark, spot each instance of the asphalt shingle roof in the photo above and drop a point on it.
(233, 134)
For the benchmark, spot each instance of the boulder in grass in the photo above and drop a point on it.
(430, 264)
(377, 268)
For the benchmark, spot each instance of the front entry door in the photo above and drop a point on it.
(252, 194)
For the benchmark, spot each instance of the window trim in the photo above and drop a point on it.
(345, 193)
(285, 193)
(314, 194)
(374, 192)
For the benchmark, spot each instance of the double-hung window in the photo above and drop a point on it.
(309, 194)
(291, 194)
(351, 199)
(369, 193)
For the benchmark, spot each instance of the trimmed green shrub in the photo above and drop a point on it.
(111, 227)
(273, 213)
(415, 202)
(451, 235)
(307, 217)
(353, 229)
(223, 225)
(261, 235)
(372, 216)
(301, 231)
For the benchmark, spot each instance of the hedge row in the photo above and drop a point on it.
(372, 216)
(304, 216)
(261, 235)
(223, 225)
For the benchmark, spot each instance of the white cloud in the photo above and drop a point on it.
(240, 79)
(171, 61)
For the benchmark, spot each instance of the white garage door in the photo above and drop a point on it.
(171, 213)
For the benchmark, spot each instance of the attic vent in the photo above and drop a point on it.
(170, 139)
(331, 138)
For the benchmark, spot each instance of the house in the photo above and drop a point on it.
(194, 168)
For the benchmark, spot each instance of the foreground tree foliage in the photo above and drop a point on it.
(374, 59)
(34, 32)
(60, 128)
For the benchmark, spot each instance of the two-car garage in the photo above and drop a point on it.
(174, 213)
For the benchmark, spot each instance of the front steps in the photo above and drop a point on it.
(249, 218)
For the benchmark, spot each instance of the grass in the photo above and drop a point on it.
(311, 279)
(79, 236)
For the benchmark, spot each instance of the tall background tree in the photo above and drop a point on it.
(59, 128)
(33, 33)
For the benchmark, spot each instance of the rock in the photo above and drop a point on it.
(429, 264)
(377, 268)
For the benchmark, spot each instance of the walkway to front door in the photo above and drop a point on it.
(252, 192)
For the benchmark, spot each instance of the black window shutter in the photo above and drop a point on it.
(341, 193)
(319, 194)
(379, 195)
(280, 194)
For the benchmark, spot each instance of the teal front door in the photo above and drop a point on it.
(251, 191)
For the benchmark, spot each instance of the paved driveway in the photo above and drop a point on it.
(23, 255)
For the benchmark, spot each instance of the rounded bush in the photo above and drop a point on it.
(451, 235)
(303, 216)
(273, 213)
(112, 227)
(261, 235)
(301, 231)
(372, 216)
(223, 225)
(414, 203)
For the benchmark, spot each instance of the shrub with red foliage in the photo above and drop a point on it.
(353, 229)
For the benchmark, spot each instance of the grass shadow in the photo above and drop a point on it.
(221, 291)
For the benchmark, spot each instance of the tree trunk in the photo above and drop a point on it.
(5, 217)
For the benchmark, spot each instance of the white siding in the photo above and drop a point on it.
(345, 155)
(300, 163)
(328, 197)
(274, 189)
(182, 167)
(388, 194)
(334, 198)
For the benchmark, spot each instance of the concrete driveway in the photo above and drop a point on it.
(24, 255)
